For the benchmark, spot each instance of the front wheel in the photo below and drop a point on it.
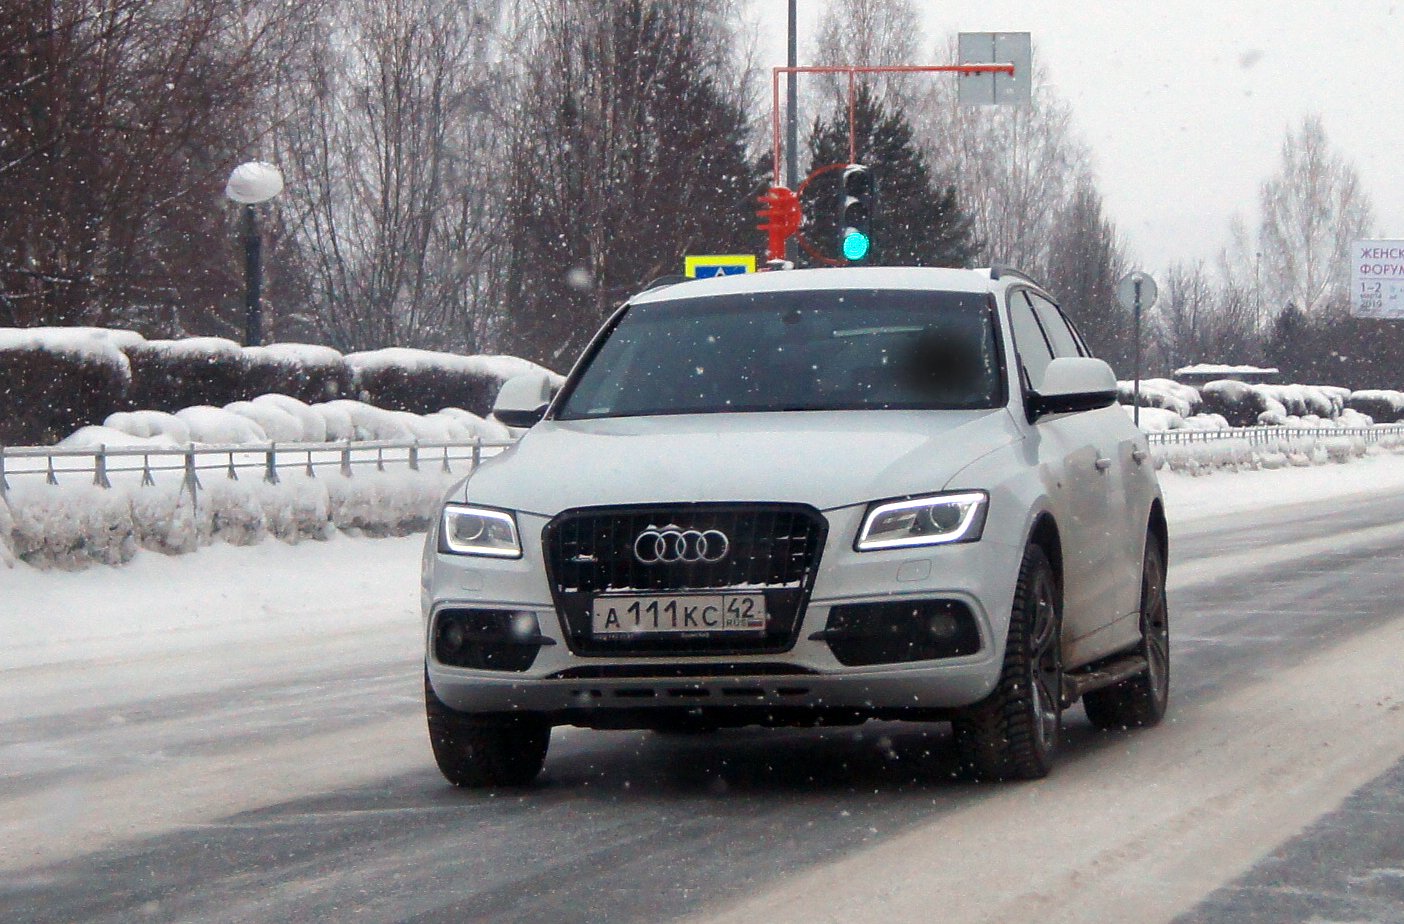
(1140, 701)
(478, 753)
(1014, 733)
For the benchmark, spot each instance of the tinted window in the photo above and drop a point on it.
(827, 350)
(1033, 347)
(1055, 326)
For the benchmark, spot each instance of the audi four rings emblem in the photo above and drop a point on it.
(672, 544)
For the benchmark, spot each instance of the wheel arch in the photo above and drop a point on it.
(1159, 528)
(1044, 533)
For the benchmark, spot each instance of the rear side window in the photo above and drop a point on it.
(1060, 333)
(1035, 353)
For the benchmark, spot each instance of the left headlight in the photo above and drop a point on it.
(934, 520)
(479, 531)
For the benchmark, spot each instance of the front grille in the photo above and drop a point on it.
(772, 548)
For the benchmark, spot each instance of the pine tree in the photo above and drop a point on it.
(917, 220)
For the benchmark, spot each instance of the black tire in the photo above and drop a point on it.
(1140, 701)
(1014, 733)
(478, 753)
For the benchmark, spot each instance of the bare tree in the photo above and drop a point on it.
(1017, 168)
(870, 33)
(1085, 259)
(1203, 316)
(391, 158)
(1312, 210)
(119, 120)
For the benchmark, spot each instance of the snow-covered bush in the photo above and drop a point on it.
(70, 526)
(421, 381)
(99, 437)
(1166, 394)
(1156, 419)
(388, 503)
(168, 375)
(1234, 401)
(299, 370)
(477, 427)
(277, 424)
(7, 526)
(149, 424)
(54, 380)
(216, 426)
(1384, 406)
(313, 425)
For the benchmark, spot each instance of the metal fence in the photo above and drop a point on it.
(272, 462)
(1259, 436)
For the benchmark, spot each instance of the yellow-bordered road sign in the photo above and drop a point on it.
(705, 266)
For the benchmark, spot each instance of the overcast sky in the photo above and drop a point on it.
(1184, 102)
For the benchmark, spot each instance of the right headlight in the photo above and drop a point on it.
(468, 530)
(937, 519)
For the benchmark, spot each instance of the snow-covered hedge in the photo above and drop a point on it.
(56, 380)
(419, 381)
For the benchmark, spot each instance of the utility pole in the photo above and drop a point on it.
(792, 121)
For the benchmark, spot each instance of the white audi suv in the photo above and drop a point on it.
(805, 497)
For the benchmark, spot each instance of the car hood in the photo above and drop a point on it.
(823, 458)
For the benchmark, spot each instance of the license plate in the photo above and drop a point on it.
(694, 613)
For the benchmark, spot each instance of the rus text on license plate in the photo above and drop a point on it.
(693, 613)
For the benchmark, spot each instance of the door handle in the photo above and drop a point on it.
(1103, 464)
(1139, 455)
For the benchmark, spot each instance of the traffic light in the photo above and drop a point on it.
(782, 219)
(855, 218)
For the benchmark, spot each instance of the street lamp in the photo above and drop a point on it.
(248, 185)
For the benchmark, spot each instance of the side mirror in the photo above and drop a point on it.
(1071, 384)
(522, 400)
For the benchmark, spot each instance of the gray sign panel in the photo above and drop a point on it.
(1014, 48)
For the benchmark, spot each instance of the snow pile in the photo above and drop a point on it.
(312, 425)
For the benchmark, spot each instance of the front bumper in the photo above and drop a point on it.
(807, 678)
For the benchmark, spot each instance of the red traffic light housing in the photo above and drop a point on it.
(782, 216)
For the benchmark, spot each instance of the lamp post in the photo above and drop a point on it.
(248, 185)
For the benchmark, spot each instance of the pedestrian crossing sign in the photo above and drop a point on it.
(706, 266)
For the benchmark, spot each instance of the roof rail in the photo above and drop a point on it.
(997, 271)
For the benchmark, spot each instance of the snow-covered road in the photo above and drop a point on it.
(237, 735)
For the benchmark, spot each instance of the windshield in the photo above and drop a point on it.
(794, 351)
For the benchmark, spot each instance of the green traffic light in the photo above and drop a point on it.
(855, 245)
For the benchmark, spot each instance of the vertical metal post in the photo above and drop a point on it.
(792, 122)
(253, 279)
(1136, 412)
(4, 485)
(100, 479)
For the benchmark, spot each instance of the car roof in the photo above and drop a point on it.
(849, 277)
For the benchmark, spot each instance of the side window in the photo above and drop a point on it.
(1060, 333)
(1034, 351)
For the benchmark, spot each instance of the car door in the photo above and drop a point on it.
(1128, 484)
(1076, 469)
